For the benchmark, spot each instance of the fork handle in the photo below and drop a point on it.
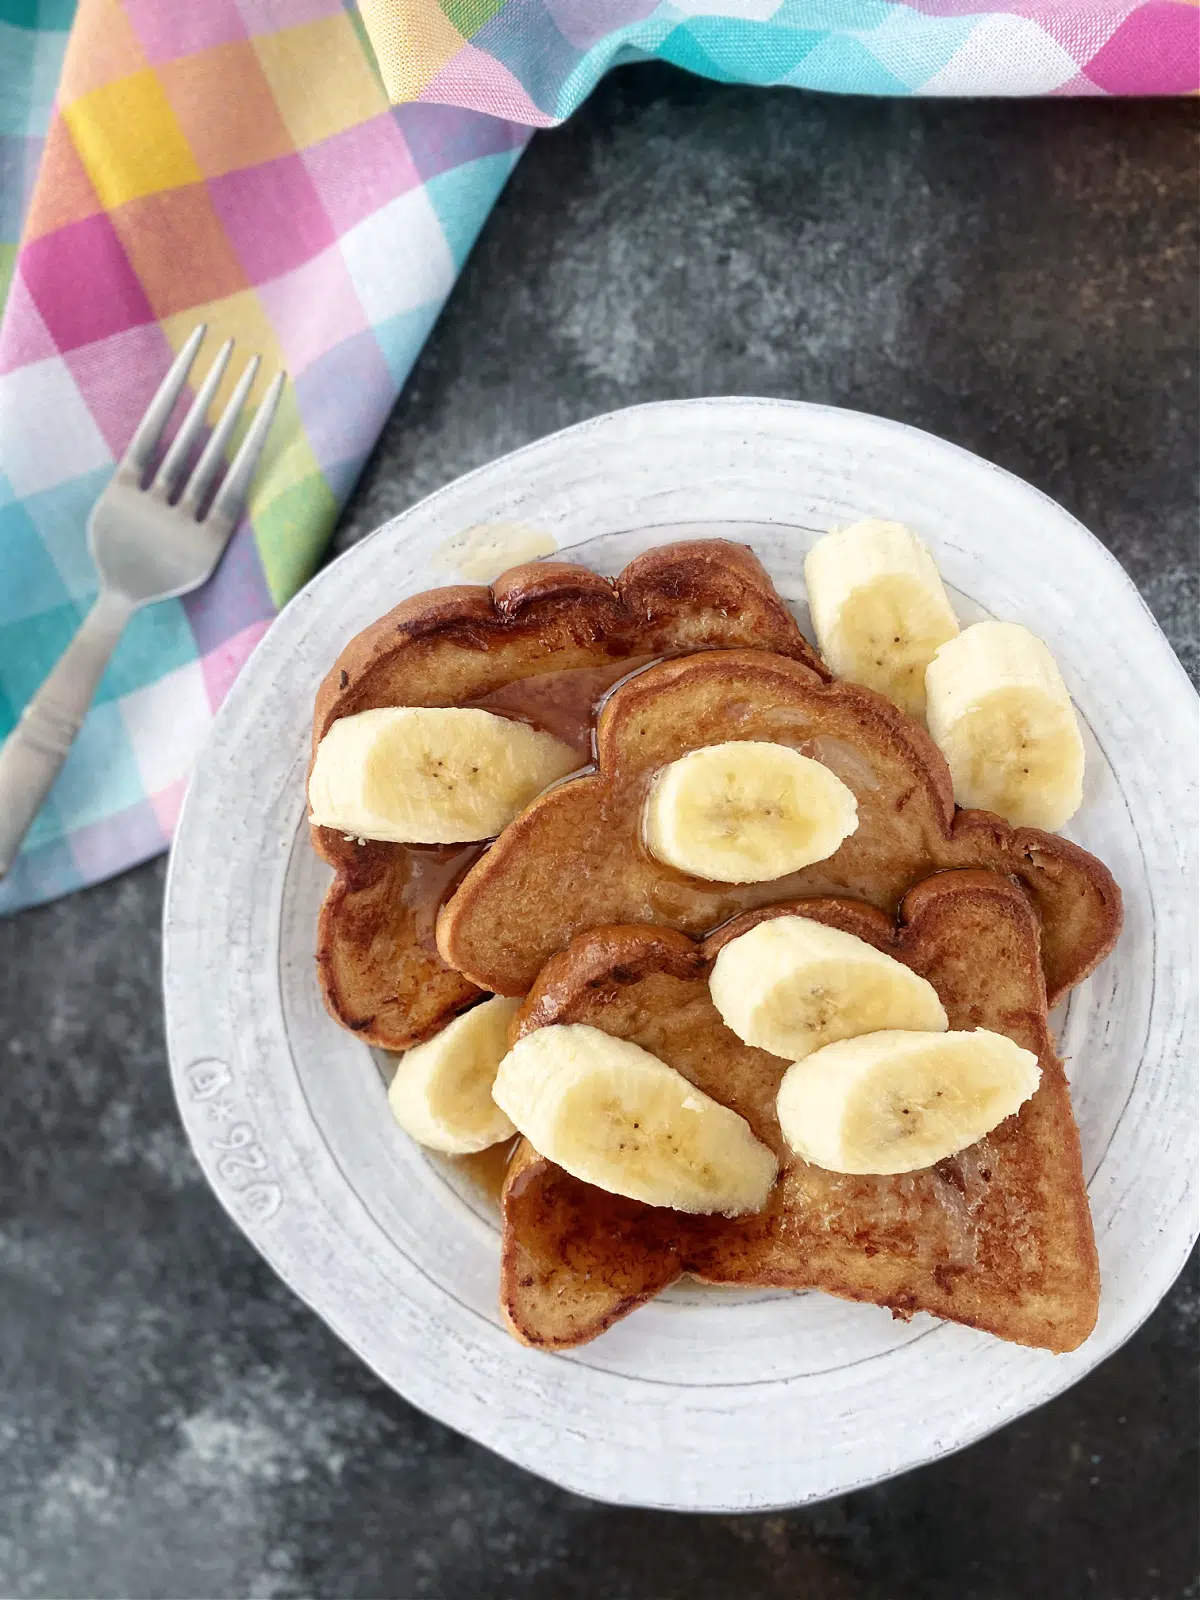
(32, 755)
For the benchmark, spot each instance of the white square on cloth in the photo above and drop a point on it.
(47, 434)
(166, 723)
(399, 258)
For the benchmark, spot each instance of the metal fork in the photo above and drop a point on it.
(149, 543)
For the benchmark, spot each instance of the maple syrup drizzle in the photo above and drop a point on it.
(487, 1169)
(564, 704)
(434, 872)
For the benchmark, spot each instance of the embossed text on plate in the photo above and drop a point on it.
(241, 1162)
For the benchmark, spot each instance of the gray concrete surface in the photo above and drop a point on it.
(1018, 278)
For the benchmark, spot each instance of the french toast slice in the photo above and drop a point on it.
(543, 643)
(574, 859)
(998, 1237)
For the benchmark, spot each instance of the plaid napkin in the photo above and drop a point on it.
(535, 60)
(240, 162)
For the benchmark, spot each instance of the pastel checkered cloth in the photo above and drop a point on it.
(242, 163)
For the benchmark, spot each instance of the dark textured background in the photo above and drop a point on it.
(1018, 278)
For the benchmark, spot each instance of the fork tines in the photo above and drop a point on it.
(169, 479)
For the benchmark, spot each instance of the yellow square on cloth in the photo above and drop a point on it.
(129, 140)
(242, 318)
(413, 41)
(317, 105)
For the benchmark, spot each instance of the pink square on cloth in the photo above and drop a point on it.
(169, 32)
(118, 376)
(1154, 51)
(1080, 84)
(26, 336)
(313, 308)
(273, 215)
(361, 169)
(472, 78)
(167, 804)
(222, 665)
(83, 283)
(273, 16)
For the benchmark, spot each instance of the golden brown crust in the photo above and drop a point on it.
(576, 854)
(377, 964)
(380, 971)
(999, 1237)
(611, 955)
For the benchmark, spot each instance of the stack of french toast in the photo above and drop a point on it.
(738, 954)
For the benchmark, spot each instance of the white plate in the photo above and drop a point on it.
(703, 1400)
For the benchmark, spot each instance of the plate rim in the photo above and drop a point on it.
(736, 401)
(359, 552)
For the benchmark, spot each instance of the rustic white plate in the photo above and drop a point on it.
(704, 1400)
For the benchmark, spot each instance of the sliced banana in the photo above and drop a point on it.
(612, 1114)
(897, 1102)
(1000, 713)
(442, 1091)
(791, 986)
(430, 775)
(746, 811)
(879, 608)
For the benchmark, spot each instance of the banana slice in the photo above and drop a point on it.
(791, 986)
(897, 1102)
(879, 608)
(442, 1091)
(613, 1115)
(430, 775)
(1000, 713)
(746, 811)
